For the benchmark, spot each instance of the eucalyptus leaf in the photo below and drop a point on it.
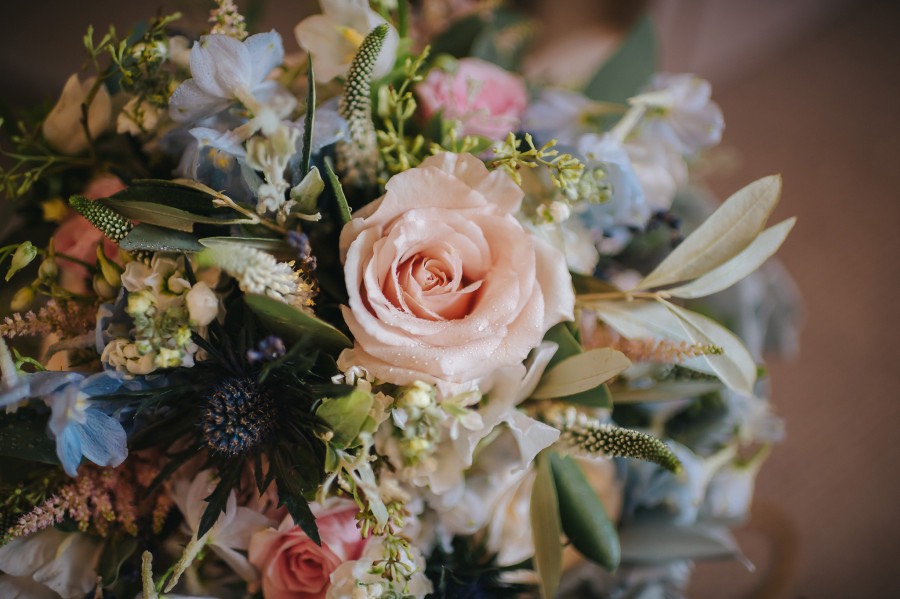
(346, 416)
(641, 319)
(584, 518)
(546, 529)
(568, 346)
(167, 216)
(658, 541)
(627, 71)
(292, 324)
(184, 194)
(748, 260)
(158, 239)
(730, 229)
(734, 366)
(667, 391)
(581, 373)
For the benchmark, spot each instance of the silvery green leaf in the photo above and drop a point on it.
(157, 239)
(581, 372)
(722, 236)
(169, 217)
(667, 391)
(293, 324)
(641, 319)
(734, 366)
(307, 192)
(656, 541)
(738, 267)
(546, 529)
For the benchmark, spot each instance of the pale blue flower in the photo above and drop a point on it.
(559, 114)
(225, 71)
(81, 427)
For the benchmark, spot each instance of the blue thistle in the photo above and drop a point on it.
(238, 418)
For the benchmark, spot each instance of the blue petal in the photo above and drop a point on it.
(103, 439)
(68, 449)
(45, 383)
(101, 383)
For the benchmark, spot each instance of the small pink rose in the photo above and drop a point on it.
(444, 284)
(484, 98)
(78, 238)
(292, 566)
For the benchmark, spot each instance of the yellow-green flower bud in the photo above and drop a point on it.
(48, 270)
(25, 253)
(22, 299)
(418, 395)
(111, 271)
(103, 289)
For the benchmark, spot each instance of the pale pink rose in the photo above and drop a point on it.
(444, 284)
(484, 98)
(292, 566)
(78, 238)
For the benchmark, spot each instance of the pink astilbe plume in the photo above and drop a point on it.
(61, 317)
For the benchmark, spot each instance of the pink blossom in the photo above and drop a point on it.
(293, 566)
(445, 285)
(484, 98)
(78, 238)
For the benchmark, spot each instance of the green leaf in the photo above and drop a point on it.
(302, 515)
(667, 391)
(546, 529)
(310, 116)
(581, 372)
(339, 196)
(457, 39)
(292, 324)
(568, 346)
(115, 553)
(157, 239)
(629, 69)
(586, 284)
(748, 260)
(217, 500)
(23, 434)
(184, 194)
(641, 319)
(504, 40)
(346, 416)
(722, 236)
(734, 366)
(166, 216)
(656, 540)
(584, 518)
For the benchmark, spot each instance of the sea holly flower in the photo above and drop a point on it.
(224, 71)
(334, 36)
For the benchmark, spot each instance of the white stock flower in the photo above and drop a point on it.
(334, 37)
(63, 129)
(202, 304)
(359, 579)
(49, 563)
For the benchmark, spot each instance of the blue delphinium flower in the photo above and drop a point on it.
(81, 426)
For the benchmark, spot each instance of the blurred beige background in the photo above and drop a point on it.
(810, 89)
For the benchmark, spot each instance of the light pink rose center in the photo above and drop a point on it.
(431, 283)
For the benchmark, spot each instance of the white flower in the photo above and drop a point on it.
(660, 171)
(137, 117)
(334, 37)
(224, 71)
(558, 114)
(63, 128)
(356, 579)
(49, 563)
(680, 113)
(202, 304)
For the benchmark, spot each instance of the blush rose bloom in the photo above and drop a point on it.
(445, 285)
(292, 566)
(484, 98)
(78, 238)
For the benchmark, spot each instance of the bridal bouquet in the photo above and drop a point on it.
(382, 319)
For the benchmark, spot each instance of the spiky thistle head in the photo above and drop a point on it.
(589, 436)
(111, 223)
(238, 417)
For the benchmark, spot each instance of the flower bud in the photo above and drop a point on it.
(112, 272)
(418, 395)
(25, 253)
(48, 270)
(103, 289)
(22, 299)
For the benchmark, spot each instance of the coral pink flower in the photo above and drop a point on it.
(293, 566)
(78, 238)
(484, 98)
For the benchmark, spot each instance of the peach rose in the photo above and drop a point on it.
(78, 238)
(292, 566)
(445, 286)
(484, 98)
